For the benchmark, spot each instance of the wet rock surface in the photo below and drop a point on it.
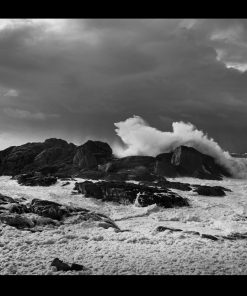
(210, 190)
(91, 154)
(62, 266)
(95, 160)
(36, 179)
(128, 193)
(39, 213)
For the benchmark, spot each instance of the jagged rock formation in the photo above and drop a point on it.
(127, 193)
(191, 162)
(37, 213)
(94, 160)
(91, 154)
(35, 179)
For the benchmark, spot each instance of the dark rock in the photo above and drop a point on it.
(209, 190)
(48, 170)
(167, 200)
(209, 236)
(91, 154)
(6, 199)
(190, 162)
(60, 265)
(36, 179)
(77, 267)
(54, 153)
(235, 236)
(18, 208)
(126, 193)
(49, 209)
(116, 177)
(129, 163)
(89, 189)
(164, 167)
(163, 228)
(192, 232)
(174, 185)
(138, 168)
(16, 220)
(66, 183)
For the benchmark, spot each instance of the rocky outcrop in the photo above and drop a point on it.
(188, 162)
(36, 179)
(128, 193)
(138, 168)
(62, 266)
(54, 156)
(34, 215)
(210, 190)
(91, 154)
(164, 166)
(6, 199)
(16, 220)
(94, 160)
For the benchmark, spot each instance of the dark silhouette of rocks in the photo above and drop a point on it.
(138, 168)
(35, 179)
(94, 160)
(91, 154)
(37, 213)
(48, 209)
(16, 220)
(54, 154)
(164, 166)
(62, 266)
(190, 162)
(6, 199)
(210, 190)
(127, 193)
(174, 185)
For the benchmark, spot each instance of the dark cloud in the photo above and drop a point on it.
(74, 78)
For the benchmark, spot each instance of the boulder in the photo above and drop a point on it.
(174, 185)
(167, 200)
(62, 266)
(91, 154)
(16, 220)
(192, 163)
(49, 209)
(128, 193)
(89, 189)
(36, 179)
(6, 199)
(30, 157)
(188, 162)
(18, 208)
(17, 158)
(210, 190)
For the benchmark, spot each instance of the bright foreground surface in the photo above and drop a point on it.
(139, 250)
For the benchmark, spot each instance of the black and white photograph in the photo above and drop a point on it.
(123, 146)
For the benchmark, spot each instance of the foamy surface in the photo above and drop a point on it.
(140, 250)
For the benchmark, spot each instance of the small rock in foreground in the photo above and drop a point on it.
(62, 266)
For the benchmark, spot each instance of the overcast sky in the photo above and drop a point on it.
(73, 79)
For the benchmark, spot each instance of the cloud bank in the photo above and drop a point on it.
(92, 73)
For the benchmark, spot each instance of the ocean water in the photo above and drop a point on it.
(138, 249)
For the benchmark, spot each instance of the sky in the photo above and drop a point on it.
(74, 78)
